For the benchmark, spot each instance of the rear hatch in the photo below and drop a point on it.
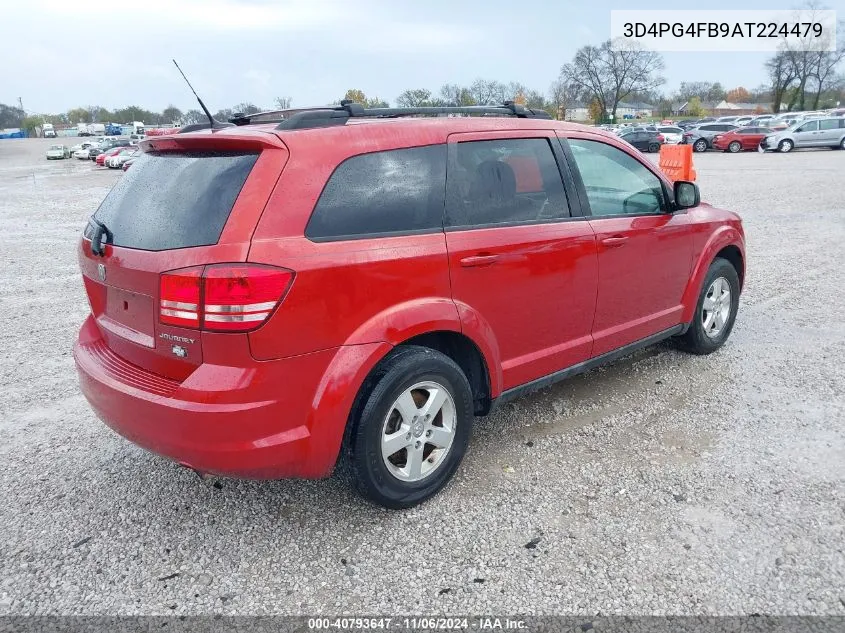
(189, 202)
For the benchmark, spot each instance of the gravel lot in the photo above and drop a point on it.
(664, 483)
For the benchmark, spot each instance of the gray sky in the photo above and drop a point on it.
(255, 50)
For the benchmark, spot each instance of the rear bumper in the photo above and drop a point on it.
(251, 422)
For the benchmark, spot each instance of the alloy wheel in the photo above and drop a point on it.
(418, 431)
(716, 308)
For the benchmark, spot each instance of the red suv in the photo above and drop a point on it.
(353, 286)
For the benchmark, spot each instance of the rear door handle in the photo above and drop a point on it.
(479, 260)
(614, 242)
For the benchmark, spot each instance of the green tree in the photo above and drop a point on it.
(418, 98)
(79, 115)
(31, 122)
(171, 114)
(10, 116)
(194, 116)
(694, 107)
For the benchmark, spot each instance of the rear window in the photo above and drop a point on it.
(174, 200)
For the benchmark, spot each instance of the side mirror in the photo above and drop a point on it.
(687, 194)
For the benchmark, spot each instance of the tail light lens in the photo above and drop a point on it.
(179, 295)
(661, 138)
(222, 297)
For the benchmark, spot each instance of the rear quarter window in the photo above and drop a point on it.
(174, 200)
(382, 193)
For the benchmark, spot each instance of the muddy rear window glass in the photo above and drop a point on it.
(174, 200)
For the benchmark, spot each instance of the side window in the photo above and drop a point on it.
(504, 181)
(616, 182)
(810, 126)
(829, 124)
(396, 191)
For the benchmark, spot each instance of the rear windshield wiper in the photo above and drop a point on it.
(97, 242)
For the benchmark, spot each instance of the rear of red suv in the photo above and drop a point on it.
(164, 357)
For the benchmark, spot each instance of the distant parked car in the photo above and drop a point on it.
(84, 153)
(58, 152)
(741, 139)
(761, 121)
(644, 140)
(701, 137)
(84, 145)
(827, 132)
(102, 158)
(116, 161)
(672, 134)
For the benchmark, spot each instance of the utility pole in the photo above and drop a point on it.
(20, 102)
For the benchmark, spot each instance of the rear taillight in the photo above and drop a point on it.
(661, 138)
(222, 297)
(179, 297)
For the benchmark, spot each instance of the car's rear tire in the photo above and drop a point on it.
(418, 402)
(735, 147)
(842, 144)
(715, 310)
(700, 145)
(654, 148)
(785, 146)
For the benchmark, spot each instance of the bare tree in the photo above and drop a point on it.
(455, 95)
(824, 66)
(283, 103)
(246, 108)
(782, 75)
(611, 72)
(417, 98)
(564, 96)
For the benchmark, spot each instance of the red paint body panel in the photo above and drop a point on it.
(642, 281)
(275, 402)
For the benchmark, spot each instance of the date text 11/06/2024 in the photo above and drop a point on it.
(418, 624)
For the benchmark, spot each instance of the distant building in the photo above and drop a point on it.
(635, 109)
(722, 108)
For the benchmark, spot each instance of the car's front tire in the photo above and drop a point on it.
(785, 146)
(410, 427)
(735, 147)
(700, 145)
(715, 311)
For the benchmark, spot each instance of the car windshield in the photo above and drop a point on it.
(55, 147)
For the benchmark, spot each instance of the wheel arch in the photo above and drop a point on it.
(435, 322)
(727, 243)
(463, 350)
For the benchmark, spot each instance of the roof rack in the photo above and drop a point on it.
(327, 117)
(303, 118)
